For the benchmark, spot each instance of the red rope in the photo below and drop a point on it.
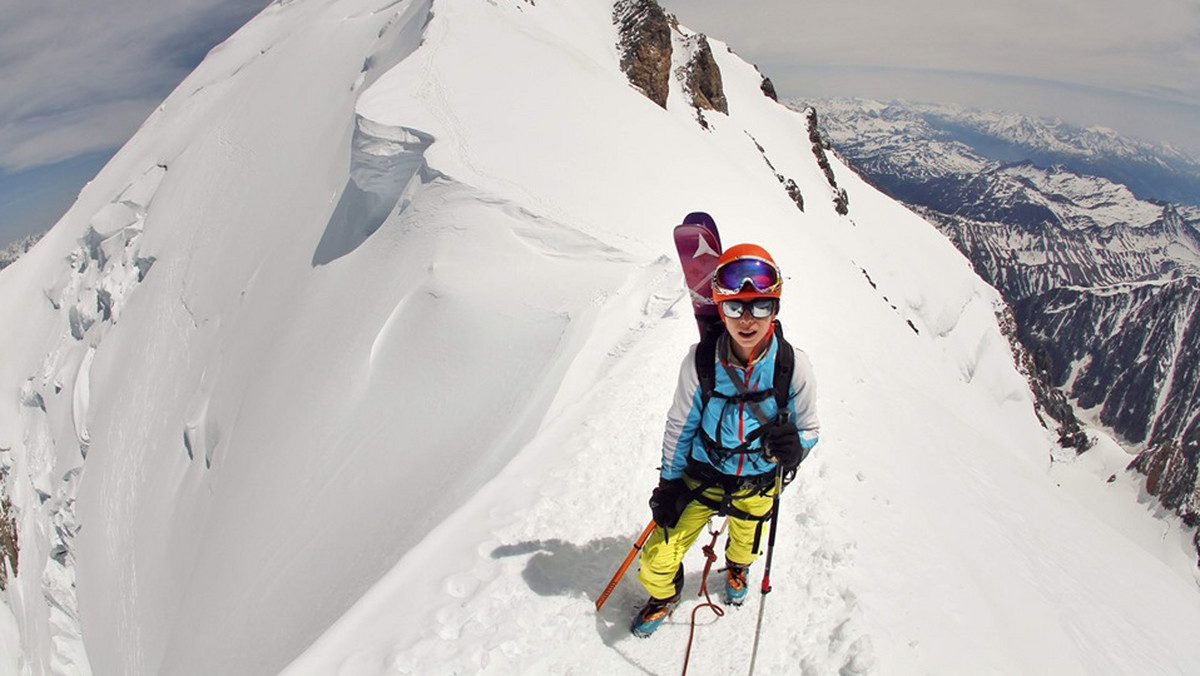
(710, 556)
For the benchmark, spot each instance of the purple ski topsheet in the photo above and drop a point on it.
(698, 250)
(702, 218)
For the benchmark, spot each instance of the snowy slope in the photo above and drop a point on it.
(354, 360)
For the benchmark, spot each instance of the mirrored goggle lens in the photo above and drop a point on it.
(759, 309)
(731, 277)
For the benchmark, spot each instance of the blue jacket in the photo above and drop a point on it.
(736, 421)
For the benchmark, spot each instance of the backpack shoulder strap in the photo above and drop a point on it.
(785, 366)
(706, 359)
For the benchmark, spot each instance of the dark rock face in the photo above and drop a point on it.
(1051, 404)
(841, 200)
(645, 44)
(647, 34)
(1171, 477)
(702, 77)
(8, 541)
(1127, 350)
(768, 89)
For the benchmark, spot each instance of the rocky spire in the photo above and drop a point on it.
(645, 44)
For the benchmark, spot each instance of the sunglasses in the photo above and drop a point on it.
(732, 277)
(760, 308)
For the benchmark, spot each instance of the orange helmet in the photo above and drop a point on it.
(746, 271)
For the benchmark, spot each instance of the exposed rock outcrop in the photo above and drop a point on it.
(841, 200)
(1053, 408)
(8, 539)
(702, 77)
(767, 87)
(645, 44)
(1171, 477)
(789, 184)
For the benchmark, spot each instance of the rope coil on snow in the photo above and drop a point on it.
(710, 556)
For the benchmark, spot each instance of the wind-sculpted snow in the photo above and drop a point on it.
(384, 161)
(95, 283)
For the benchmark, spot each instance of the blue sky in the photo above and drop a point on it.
(77, 78)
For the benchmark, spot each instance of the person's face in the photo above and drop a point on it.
(748, 323)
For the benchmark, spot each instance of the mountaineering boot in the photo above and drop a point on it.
(652, 614)
(735, 583)
(656, 610)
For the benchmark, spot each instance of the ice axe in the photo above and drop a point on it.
(637, 546)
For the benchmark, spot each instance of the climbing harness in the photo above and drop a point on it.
(714, 342)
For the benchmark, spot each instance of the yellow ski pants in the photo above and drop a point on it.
(664, 551)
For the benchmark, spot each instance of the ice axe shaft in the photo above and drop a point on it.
(637, 546)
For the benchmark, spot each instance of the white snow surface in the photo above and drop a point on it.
(355, 360)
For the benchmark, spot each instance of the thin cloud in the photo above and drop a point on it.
(77, 77)
(1151, 118)
(1104, 43)
(1087, 61)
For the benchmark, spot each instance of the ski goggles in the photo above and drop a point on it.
(732, 277)
(760, 308)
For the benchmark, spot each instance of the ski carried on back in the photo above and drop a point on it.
(699, 246)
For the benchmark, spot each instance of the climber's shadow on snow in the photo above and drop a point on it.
(561, 568)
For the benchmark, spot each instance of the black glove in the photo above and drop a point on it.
(782, 443)
(667, 501)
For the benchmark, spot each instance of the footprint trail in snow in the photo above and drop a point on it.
(526, 604)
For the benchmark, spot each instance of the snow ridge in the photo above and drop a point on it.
(390, 397)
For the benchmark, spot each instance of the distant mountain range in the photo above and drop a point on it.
(10, 253)
(1149, 171)
(1094, 239)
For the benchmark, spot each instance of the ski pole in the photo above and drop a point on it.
(766, 583)
(612, 584)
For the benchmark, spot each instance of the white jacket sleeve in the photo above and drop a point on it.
(804, 401)
(683, 420)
